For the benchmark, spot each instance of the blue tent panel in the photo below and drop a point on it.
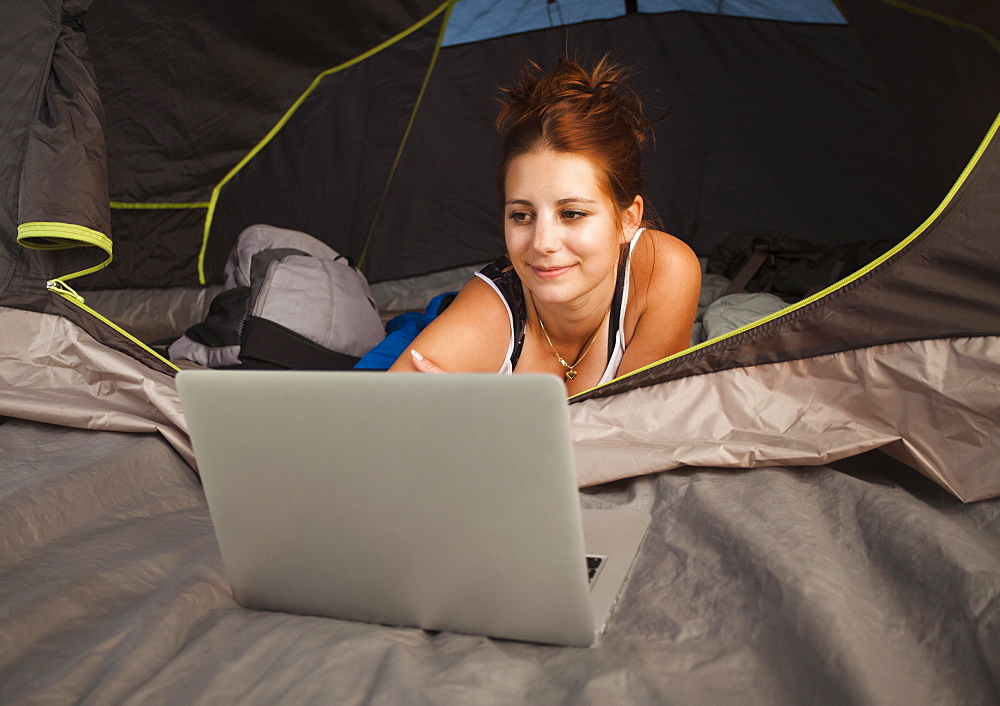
(810, 11)
(475, 20)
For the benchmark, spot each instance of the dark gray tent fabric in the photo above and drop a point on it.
(856, 583)
(55, 163)
(192, 90)
(801, 126)
(65, 173)
(945, 110)
(323, 172)
(940, 284)
(54, 208)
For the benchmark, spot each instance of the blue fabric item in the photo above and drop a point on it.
(812, 11)
(475, 20)
(401, 330)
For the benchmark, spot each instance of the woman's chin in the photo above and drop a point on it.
(551, 291)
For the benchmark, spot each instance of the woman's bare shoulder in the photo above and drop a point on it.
(477, 297)
(664, 258)
(667, 278)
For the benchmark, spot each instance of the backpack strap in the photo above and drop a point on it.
(749, 269)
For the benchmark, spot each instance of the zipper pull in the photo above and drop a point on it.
(60, 287)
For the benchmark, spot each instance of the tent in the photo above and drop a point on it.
(138, 141)
(795, 122)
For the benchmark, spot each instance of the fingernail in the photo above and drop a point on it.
(416, 355)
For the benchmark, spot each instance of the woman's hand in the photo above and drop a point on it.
(422, 364)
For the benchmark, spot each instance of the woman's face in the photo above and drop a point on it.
(563, 232)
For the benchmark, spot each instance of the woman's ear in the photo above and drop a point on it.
(633, 214)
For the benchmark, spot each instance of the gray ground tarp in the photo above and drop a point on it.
(860, 583)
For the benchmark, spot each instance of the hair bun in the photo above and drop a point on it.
(599, 94)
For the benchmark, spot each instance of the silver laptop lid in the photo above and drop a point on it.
(446, 502)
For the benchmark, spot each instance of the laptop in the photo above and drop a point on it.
(442, 502)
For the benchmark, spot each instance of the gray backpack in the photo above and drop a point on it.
(289, 301)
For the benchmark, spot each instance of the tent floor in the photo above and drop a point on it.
(860, 582)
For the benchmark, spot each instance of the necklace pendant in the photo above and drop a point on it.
(570, 374)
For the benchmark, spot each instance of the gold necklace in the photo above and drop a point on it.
(571, 369)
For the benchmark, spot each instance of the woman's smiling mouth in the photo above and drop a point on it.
(550, 272)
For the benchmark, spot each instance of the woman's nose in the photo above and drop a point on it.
(545, 237)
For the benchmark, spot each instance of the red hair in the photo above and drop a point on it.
(587, 112)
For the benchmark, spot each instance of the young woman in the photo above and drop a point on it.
(586, 290)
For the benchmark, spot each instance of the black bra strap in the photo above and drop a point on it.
(616, 302)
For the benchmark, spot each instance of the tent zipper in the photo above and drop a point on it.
(59, 287)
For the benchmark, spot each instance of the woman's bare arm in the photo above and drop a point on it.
(471, 335)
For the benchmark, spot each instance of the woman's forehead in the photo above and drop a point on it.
(553, 177)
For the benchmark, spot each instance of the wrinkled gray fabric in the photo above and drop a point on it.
(933, 404)
(52, 371)
(862, 583)
(733, 311)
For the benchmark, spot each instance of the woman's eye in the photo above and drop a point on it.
(573, 215)
(520, 217)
